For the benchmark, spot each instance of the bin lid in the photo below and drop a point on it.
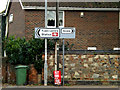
(21, 66)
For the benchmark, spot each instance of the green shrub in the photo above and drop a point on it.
(25, 52)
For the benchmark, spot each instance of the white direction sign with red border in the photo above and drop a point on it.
(46, 33)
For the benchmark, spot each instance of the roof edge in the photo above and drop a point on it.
(6, 10)
(21, 4)
(70, 8)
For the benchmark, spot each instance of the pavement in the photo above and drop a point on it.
(80, 87)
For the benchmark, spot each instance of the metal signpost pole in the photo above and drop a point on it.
(119, 60)
(57, 25)
(1, 52)
(57, 13)
(53, 33)
(63, 60)
(45, 64)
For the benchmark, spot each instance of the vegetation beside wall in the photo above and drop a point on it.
(25, 52)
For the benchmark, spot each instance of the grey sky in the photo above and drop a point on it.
(3, 5)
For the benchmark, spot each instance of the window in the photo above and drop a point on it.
(11, 18)
(61, 16)
(51, 19)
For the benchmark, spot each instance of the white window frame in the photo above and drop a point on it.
(55, 21)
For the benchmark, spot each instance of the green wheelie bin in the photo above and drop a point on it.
(21, 74)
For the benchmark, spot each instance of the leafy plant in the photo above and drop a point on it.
(25, 52)
(14, 49)
(22, 51)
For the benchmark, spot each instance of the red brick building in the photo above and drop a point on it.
(97, 27)
(96, 23)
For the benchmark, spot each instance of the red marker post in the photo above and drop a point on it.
(57, 77)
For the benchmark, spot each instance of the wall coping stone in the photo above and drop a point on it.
(91, 52)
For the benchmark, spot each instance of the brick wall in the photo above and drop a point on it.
(33, 19)
(17, 27)
(96, 28)
(99, 29)
(8, 72)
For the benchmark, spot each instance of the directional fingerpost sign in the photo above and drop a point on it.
(46, 33)
(61, 33)
(66, 32)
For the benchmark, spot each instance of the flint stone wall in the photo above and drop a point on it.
(86, 67)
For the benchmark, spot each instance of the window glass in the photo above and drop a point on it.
(60, 18)
(51, 19)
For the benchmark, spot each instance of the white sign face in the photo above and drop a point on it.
(47, 33)
(67, 31)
